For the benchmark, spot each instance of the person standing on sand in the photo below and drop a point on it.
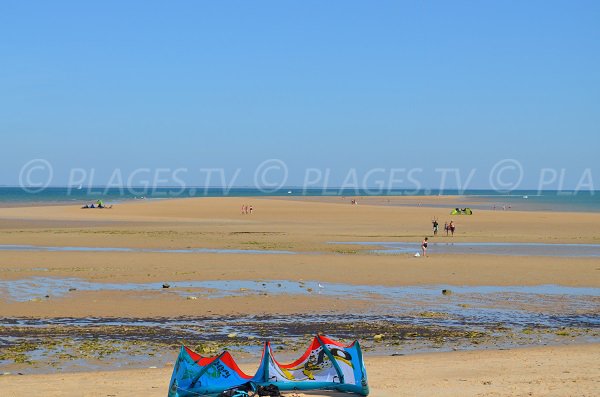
(251, 209)
(435, 226)
(446, 228)
(424, 246)
(452, 227)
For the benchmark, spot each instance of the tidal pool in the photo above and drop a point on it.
(17, 247)
(449, 247)
(549, 305)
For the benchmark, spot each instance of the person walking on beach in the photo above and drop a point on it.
(435, 226)
(251, 209)
(446, 228)
(452, 227)
(424, 246)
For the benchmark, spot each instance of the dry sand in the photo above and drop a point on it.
(303, 225)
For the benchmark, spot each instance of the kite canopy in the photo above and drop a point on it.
(461, 211)
(326, 364)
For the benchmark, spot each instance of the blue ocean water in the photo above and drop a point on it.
(587, 201)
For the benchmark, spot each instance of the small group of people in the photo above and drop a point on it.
(448, 227)
(247, 209)
(99, 204)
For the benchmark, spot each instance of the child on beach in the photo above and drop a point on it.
(435, 226)
(424, 246)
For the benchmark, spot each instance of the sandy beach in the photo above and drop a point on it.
(186, 182)
(300, 232)
(546, 371)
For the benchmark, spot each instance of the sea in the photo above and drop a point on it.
(528, 200)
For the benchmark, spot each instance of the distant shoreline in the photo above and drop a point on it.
(522, 200)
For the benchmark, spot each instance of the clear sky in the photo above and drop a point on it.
(317, 84)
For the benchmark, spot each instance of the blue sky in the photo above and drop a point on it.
(317, 84)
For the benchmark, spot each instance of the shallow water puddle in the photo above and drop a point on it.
(512, 249)
(25, 289)
(17, 247)
(386, 247)
(550, 305)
